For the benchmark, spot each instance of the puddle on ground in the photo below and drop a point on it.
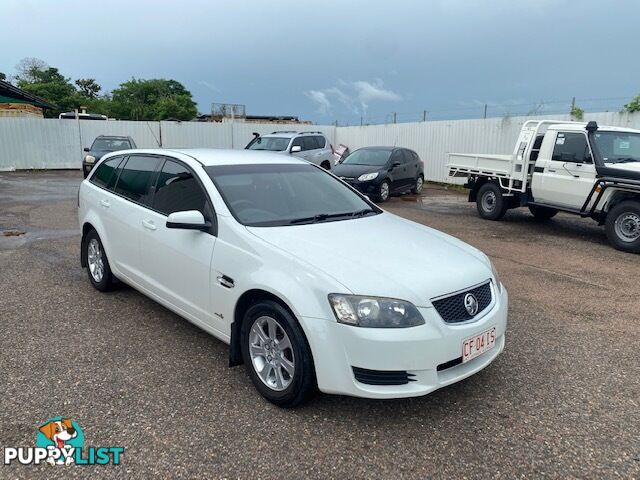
(12, 233)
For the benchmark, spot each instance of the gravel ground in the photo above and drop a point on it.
(562, 401)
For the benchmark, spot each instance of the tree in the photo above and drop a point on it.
(88, 87)
(576, 112)
(633, 105)
(52, 86)
(154, 99)
(3, 76)
(29, 68)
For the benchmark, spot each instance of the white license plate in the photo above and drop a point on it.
(478, 344)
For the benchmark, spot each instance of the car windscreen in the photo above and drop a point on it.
(266, 195)
(364, 156)
(273, 144)
(110, 144)
(618, 147)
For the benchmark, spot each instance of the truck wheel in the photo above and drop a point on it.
(542, 213)
(490, 202)
(623, 226)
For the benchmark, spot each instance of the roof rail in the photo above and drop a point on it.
(311, 132)
(283, 131)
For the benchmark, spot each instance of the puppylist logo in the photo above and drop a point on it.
(60, 441)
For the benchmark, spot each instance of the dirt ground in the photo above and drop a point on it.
(562, 401)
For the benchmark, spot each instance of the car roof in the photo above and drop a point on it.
(218, 156)
(580, 127)
(119, 137)
(381, 148)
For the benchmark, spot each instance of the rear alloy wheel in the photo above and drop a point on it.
(326, 165)
(276, 354)
(383, 191)
(623, 226)
(98, 267)
(417, 187)
(490, 202)
(542, 213)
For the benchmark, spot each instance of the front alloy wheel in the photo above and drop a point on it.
(383, 192)
(276, 354)
(271, 353)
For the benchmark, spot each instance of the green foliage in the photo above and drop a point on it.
(3, 76)
(577, 112)
(633, 105)
(88, 87)
(50, 85)
(155, 99)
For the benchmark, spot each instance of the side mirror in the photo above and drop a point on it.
(296, 149)
(188, 220)
(394, 165)
(86, 149)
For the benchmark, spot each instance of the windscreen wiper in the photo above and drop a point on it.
(321, 217)
(363, 212)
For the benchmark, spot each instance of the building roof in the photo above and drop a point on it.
(12, 94)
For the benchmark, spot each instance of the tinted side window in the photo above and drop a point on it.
(397, 157)
(571, 147)
(321, 141)
(105, 172)
(135, 178)
(415, 156)
(177, 190)
(408, 158)
(297, 142)
(309, 143)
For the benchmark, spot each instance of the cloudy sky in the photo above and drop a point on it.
(342, 60)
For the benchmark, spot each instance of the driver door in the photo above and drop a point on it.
(569, 175)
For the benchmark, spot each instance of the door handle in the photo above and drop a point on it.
(226, 281)
(551, 170)
(148, 224)
(105, 203)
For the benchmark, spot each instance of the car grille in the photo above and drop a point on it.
(452, 308)
(382, 377)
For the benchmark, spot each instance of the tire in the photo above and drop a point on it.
(282, 371)
(490, 202)
(326, 165)
(542, 213)
(623, 226)
(384, 191)
(418, 185)
(98, 268)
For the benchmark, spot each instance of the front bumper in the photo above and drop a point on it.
(337, 348)
(368, 188)
(86, 168)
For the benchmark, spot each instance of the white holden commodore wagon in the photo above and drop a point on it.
(311, 284)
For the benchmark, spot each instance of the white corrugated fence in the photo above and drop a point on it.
(35, 143)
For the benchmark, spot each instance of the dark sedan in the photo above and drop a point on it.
(382, 171)
(102, 145)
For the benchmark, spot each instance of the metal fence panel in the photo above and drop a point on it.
(27, 143)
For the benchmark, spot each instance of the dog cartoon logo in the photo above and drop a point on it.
(61, 436)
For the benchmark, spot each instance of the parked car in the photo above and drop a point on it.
(558, 166)
(102, 145)
(310, 146)
(382, 171)
(242, 245)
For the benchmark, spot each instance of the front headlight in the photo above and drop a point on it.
(495, 276)
(367, 177)
(374, 312)
(90, 159)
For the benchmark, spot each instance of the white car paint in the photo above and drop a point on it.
(381, 255)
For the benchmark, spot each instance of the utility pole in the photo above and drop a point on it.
(573, 104)
(360, 121)
(424, 115)
(485, 111)
(394, 117)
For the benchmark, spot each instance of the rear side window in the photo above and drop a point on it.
(178, 190)
(135, 179)
(571, 147)
(309, 143)
(106, 172)
(321, 141)
(298, 142)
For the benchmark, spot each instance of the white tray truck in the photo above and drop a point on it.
(573, 167)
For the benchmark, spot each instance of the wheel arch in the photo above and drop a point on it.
(475, 186)
(244, 302)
